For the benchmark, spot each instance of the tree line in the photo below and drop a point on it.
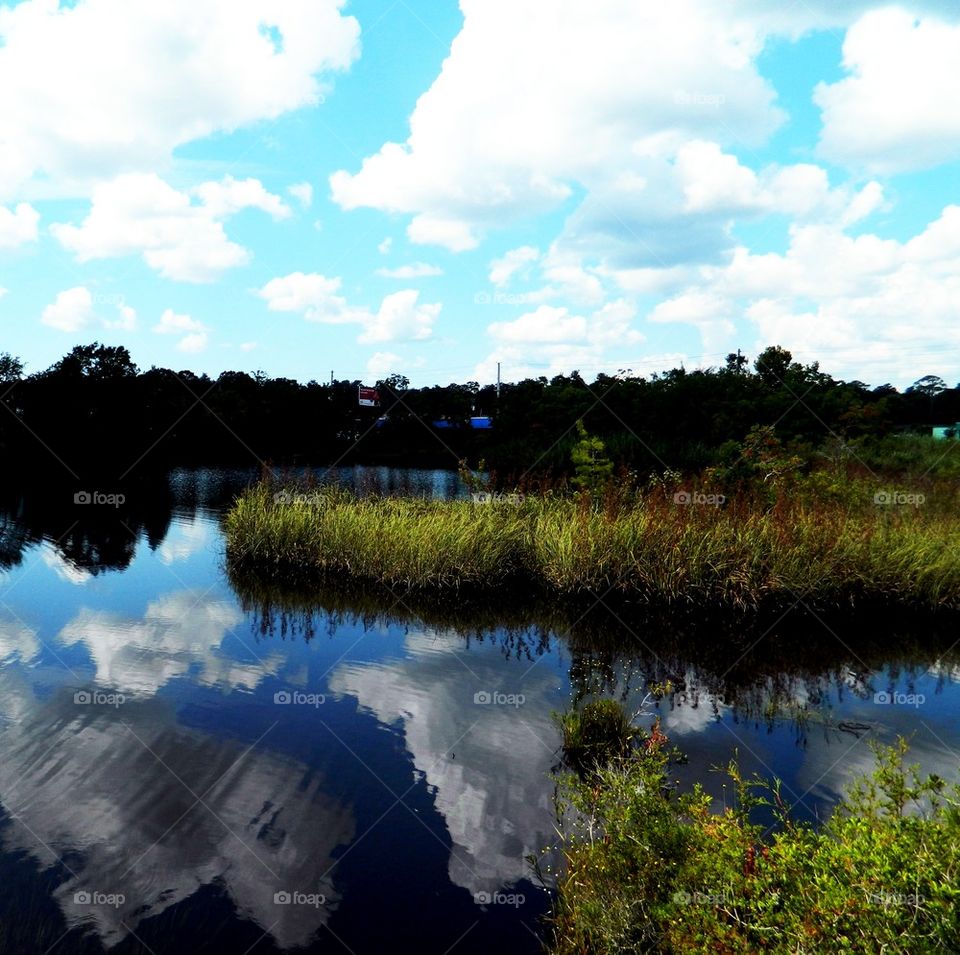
(95, 412)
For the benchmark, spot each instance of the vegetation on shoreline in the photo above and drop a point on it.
(828, 542)
(106, 418)
(650, 869)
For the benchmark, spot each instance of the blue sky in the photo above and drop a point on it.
(429, 187)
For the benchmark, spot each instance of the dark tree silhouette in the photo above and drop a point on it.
(94, 415)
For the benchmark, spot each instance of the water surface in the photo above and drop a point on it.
(190, 763)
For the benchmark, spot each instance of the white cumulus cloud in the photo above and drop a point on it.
(417, 270)
(875, 308)
(230, 196)
(72, 310)
(18, 226)
(77, 308)
(303, 193)
(546, 324)
(550, 340)
(896, 108)
(140, 214)
(515, 261)
(383, 363)
(400, 317)
(195, 334)
(101, 87)
(597, 87)
(314, 295)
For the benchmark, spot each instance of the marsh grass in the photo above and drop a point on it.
(758, 549)
(595, 735)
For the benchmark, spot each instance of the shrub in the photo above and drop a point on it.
(595, 735)
(650, 870)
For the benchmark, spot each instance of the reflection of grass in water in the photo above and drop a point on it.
(761, 667)
(746, 555)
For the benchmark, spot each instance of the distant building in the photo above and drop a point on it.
(947, 431)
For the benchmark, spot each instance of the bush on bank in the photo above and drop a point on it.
(647, 869)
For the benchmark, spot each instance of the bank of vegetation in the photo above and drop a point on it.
(765, 532)
(648, 868)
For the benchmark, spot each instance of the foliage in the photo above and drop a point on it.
(11, 369)
(592, 467)
(649, 869)
(596, 734)
(656, 547)
(763, 453)
(95, 405)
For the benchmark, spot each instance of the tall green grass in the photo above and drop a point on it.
(755, 551)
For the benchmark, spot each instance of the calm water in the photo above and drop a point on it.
(190, 764)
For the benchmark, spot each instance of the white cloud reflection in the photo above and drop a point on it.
(489, 765)
(180, 633)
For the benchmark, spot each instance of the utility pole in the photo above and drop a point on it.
(331, 377)
(498, 381)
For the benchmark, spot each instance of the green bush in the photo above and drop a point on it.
(650, 871)
(595, 735)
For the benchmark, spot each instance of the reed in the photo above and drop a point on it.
(752, 552)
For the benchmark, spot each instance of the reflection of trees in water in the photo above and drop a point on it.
(93, 539)
(14, 539)
(799, 672)
(90, 538)
(281, 609)
(761, 671)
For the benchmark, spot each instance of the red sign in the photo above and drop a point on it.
(369, 397)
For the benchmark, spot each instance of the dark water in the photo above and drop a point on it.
(190, 763)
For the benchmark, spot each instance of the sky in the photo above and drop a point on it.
(422, 187)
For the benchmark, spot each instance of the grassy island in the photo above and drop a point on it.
(831, 545)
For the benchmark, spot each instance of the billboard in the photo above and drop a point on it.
(368, 397)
